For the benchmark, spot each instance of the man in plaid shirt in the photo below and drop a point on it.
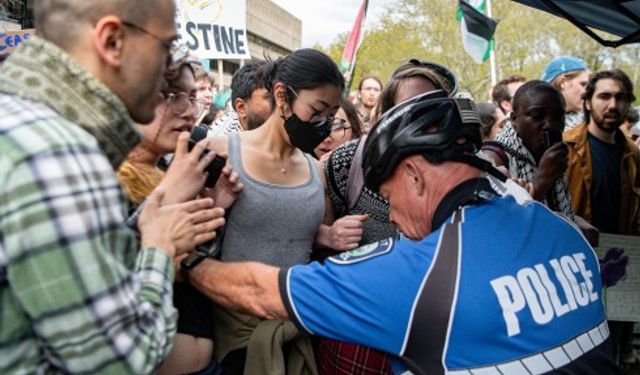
(76, 295)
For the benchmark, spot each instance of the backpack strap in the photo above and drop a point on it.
(498, 149)
(355, 181)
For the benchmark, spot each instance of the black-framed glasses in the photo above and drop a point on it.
(177, 53)
(180, 102)
(165, 44)
(339, 128)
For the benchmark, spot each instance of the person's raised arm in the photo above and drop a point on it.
(552, 165)
(185, 177)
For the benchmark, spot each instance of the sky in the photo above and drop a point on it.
(323, 20)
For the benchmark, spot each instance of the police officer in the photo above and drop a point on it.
(482, 283)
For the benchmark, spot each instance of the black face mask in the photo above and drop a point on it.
(306, 135)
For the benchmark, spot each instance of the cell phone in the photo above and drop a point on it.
(551, 137)
(214, 169)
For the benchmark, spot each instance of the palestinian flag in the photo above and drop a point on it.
(348, 60)
(477, 29)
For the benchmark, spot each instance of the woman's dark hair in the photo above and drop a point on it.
(369, 76)
(303, 69)
(487, 114)
(352, 115)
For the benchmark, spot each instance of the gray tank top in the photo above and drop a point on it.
(272, 224)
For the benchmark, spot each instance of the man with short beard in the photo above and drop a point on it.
(603, 172)
(250, 100)
(603, 164)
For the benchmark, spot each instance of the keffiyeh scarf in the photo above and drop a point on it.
(523, 165)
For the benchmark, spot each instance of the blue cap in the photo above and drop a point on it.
(561, 65)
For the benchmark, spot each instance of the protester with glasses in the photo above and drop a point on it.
(346, 127)
(80, 293)
(139, 175)
(368, 92)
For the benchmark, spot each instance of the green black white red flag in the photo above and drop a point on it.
(348, 60)
(477, 29)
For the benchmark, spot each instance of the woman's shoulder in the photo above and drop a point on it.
(343, 155)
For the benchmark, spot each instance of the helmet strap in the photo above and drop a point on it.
(479, 163)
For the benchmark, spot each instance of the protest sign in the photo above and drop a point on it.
(214, 29)
(623, 299)
(9, 40)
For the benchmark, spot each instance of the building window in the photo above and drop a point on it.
(19, 11)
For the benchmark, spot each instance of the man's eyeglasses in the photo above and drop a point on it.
(180, 102)
(176, 53)
(371, 88)
(339, 128)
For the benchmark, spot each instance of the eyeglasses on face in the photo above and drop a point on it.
(165, 43)
(180, 102)
(339, 128)
(371, 88)
(177, 53)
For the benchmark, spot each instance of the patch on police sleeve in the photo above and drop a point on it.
(363, 252)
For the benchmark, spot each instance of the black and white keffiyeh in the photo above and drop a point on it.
(523, 165)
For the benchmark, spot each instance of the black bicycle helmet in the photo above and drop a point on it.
(432, 125)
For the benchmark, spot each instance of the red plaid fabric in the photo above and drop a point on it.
(341, 358)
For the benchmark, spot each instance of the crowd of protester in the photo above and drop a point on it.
(111, 237)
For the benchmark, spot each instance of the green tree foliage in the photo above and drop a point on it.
(525, 41)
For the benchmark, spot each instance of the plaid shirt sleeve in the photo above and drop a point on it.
(93, 303)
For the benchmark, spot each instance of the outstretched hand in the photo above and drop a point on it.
(178, 228)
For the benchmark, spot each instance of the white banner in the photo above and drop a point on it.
(214, 29)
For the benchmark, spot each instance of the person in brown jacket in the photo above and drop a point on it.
(604, 182)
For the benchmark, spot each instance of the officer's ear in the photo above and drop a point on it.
(415, 176)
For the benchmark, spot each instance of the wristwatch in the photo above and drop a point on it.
(188, 263)
(210, 249)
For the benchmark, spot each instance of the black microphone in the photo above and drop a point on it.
(214, 169)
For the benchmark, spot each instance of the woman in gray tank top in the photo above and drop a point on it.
(276, 217)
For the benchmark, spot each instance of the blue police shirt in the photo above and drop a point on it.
(500, 288)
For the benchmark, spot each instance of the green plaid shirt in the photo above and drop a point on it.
(76, 295)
